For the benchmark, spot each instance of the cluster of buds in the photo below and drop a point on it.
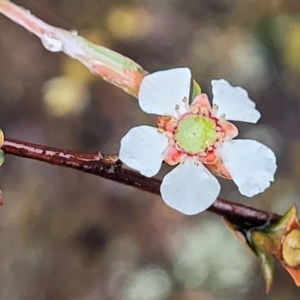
(280, 240)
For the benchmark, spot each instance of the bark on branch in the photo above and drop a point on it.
(110, 167)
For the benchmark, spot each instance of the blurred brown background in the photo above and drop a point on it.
(66, 235)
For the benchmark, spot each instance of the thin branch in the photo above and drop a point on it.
(127, 75)
(110, 167)
(110, 65)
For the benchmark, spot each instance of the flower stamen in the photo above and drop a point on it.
(220, 135)
(186, 104)
(202, 153)
(169, 136)
(177, 107)
(182, 158)
(197, 162)
(204, 111)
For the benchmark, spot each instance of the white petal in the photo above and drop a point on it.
(234, 102)
(190, 188)
(251, 165)
(142, 149)
(161, 91)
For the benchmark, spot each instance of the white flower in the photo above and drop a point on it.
(199, 138)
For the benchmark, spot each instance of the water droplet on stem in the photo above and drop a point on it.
(51, 42)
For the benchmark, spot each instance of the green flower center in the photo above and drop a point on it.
(195, 132)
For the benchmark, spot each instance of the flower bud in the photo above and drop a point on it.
(291, 248)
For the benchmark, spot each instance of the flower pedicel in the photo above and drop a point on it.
(199, 138)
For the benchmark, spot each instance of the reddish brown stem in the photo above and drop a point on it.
(110, 167)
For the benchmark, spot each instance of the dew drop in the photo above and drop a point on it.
(51, 42)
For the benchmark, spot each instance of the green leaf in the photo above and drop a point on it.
(196, 89)
(284, 220)
(267, 267)
(1, 157)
